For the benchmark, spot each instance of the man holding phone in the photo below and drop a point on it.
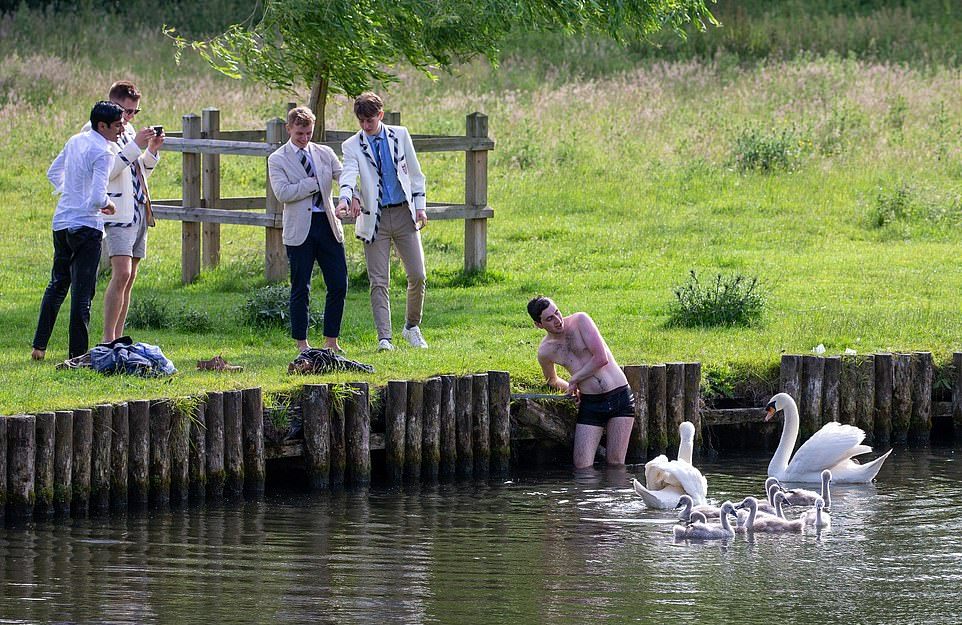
(137, 154)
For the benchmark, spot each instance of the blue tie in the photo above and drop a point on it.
(306, 163)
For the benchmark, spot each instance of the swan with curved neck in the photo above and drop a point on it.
(667, 480)
(689, 509)
(701, 530)
(832, 447)
(767, 523)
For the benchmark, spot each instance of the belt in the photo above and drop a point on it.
(399, 204)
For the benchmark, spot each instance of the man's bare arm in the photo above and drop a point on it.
(551, 373)
(595, 344)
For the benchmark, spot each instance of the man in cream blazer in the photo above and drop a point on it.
(392, 190)
(301, 175)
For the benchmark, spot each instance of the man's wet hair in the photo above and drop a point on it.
(536, 306)
(106, 112)
(123, 89)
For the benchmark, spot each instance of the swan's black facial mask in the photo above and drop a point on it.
(770, 411)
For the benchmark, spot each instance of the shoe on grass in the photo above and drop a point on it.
(414, 337)
(385, 345)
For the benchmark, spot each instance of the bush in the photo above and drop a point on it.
(196, 321)
(149, 312)
(269, 306)
(906, 204)
(726, 301)
(757, 151)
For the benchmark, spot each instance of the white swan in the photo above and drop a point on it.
(817, 517)
(701, 530)
(667, 480)
(832, 447)
(804, 497)
(766, 523)
(689, 509)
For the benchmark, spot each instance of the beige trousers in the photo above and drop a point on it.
(396, 226)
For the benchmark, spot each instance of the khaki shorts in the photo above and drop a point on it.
(131, 241)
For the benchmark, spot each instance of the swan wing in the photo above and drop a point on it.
(688, 479)
(662, 499)
(826, 448)
(656, 472)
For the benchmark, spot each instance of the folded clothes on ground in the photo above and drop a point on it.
(316, 361)
(123, 356)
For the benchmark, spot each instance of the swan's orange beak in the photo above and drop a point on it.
(769, 413)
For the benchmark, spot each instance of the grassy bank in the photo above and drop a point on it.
(835, 181)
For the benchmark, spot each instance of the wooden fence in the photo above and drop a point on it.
(202, 209)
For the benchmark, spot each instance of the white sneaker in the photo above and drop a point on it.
(385, 345)
(414, 337)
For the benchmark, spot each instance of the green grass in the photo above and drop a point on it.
(609, 187)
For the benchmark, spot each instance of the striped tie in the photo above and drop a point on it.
(306, 163)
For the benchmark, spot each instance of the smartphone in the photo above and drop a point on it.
(158, 130)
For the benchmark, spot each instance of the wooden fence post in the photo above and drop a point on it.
(190, 188)
(62, 463)
(46, 423)
(83, 431)
(275, 259)
(395, 409)
(831, 377)
(233, 444)
(813, 371)
(197, 454)
(463, 421)
(338, 442)
(480, 424)
(848, 390)
(315, 413)
(476, 196)
(884, 377)
(865, 402)
(255, 467)
(160, 423)
(210, 183)
(3, 468)
(21, 465)
(138, 463)
(431, 431)
(499, 410)
(921, 422)
(179, 455)
(103, 421)
(214, 445)
(119, 456)
(657, 409)
(957, 396)
(637, 376)
(357, 433)
(448, 427)
(790, 374)
(414, 431)
(901, 397)
(675, 398)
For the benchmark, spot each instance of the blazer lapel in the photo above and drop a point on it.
(367, 149)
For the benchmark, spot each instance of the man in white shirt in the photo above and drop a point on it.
(80, 174)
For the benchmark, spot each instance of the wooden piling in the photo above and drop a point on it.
(233, 444)
(83, 431)
(161, 417)
(357, 433)
(657, 410)
(3, 468)
(921, 422)
(448, 427)
(103, 422)
(813, 370)
(957, 396)
(637, 376)
(255, 464)
(119, 455)
(395, 411)
(138, 462)
(62, 463)
(338, 441)
(693, 398)
(214, 444)
(884, 378)
(463, 425)
(431, 431)
(317, 436)
(480, 425)
(21, 465)
(46, 436)
(179, 452)
(865, 397)
(848, 391)
(675, 400)
(197, 454)
(831, 377)
(901, 397)
(499, 410)
(414, 431)
(790, 376)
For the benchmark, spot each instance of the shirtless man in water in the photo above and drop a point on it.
(596, 381)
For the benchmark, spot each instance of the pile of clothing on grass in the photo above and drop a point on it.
(123, 356)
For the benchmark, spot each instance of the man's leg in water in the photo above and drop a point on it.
(587, 438)
(616, 445)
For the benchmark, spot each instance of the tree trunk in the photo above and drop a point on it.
(318, 104)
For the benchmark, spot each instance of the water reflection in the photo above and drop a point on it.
(541, 548)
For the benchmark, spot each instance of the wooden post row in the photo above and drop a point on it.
(20, 467)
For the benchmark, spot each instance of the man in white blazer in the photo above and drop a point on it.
(392, 190)
(301, 175)
(137, 153)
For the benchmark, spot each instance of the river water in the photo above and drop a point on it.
(545, 548)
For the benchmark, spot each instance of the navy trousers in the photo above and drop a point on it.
(76, 255)
(322, 247)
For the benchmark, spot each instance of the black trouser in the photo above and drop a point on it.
(76, 255)
(321, 246)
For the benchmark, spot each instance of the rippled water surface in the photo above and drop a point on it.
(546, 548)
